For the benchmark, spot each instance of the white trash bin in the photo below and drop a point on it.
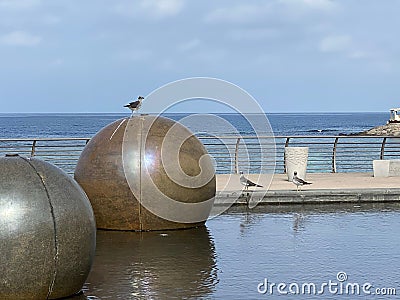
(386, 168)
(381, 168)
(296, 159)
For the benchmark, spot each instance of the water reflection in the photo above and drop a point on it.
(153, 265)
(298, 222)
(248, 219)
(307, 209)
(301, 213)
(80, 296)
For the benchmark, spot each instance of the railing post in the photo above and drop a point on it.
(284, 155)
(237, 156)
(334, 155)
(33, 148)
(383, 148)
(287, 141)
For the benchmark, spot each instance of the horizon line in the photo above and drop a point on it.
(187, 112)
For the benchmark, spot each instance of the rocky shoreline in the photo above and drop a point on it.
(390, 129)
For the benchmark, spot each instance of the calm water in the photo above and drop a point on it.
(229, 257)
(86, 125)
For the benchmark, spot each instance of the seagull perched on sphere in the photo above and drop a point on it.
(246, 182)
(298, 181)
(135, 105)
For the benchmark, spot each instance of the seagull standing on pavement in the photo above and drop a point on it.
(135, 105)
(246, 182)
(298, 181)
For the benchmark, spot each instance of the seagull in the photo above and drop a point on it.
(135, 105)
(244, 181)
(298, 181)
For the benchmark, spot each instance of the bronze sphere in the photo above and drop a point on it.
(147, 173)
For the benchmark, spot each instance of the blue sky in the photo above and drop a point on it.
(291, 55)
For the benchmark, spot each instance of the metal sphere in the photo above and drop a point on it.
(47, 231)
(147, 173)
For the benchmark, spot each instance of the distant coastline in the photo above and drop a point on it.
(390, 129)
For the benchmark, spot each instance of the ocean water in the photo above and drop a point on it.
(220, 125)
(86, 125)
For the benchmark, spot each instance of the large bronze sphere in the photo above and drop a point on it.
(147, 173)
(47, 231)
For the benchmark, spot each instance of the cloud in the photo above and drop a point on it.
(253, 34)
(50, 20)
(345, 45)
(358, 54)
(56, 62)
(19, 4)
(320, 5)
(136, 55)
(163, 8)
(248, 13)
(20, 38)
(151, 8)
(242, 13)
(189, 45)
(336, 43)
(166, 64)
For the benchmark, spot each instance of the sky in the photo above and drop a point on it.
(290, 55)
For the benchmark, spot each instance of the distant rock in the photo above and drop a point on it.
(390, 129)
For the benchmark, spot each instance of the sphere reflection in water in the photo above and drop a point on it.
(153, 265)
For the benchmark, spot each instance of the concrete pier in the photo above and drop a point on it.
(325, 188)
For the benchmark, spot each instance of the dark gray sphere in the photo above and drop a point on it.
(47, 231)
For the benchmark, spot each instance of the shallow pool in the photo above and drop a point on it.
(295, 252)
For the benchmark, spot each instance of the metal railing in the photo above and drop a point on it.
(232, 153)
(62, 152)
(326, 153)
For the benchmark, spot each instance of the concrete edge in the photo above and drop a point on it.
(310, 196)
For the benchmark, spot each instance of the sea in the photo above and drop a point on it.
(218, 126)
(86, 125)
(330, 251)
